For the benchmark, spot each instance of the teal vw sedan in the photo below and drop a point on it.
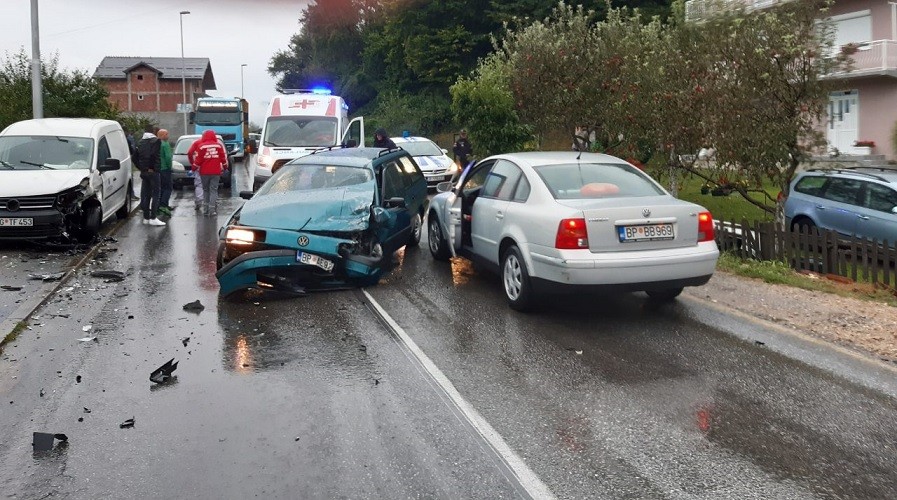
(327, 220)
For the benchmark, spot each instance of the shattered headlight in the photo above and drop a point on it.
(71, 196)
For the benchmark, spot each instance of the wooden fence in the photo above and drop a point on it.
(824, 252)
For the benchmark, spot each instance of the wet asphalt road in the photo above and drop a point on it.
(599, 397)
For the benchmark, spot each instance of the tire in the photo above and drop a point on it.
(803, 224)
(664, 295)
(219, 256)
(515, 280)
(416, 230)
(90, 228)
(125, 210)
(438, 244)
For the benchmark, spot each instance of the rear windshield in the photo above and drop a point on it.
(421, 148)
(315, 177)
(570, 181)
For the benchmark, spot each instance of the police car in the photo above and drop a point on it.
(432, 160)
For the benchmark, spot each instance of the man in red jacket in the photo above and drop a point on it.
(209, 160)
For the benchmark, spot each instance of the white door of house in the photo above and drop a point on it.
(842, 120)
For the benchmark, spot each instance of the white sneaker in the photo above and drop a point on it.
(144, 221)
(155, 222)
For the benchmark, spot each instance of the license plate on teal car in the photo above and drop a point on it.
(313, 260)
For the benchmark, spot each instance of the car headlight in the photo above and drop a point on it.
(265, 161)
(238, 236)
(71, 196)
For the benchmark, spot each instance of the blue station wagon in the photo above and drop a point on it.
(329, 219)
(854, 202)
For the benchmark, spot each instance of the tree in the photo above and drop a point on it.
(768, 91)
(485, 105)
(65, 94)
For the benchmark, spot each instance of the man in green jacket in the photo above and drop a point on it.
(165, 170)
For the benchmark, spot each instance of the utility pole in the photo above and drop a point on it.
(37, 100)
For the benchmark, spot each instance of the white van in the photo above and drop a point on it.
(300, 122)
(62, 177)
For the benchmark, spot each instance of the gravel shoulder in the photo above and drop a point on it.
(865, 326)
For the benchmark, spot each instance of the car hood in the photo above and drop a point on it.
(428, 163)
(38, 182)
(343, 209)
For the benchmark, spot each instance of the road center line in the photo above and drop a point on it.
(525, 476)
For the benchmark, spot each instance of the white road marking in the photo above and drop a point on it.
(527, 478)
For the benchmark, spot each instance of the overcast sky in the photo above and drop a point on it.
(228, 32)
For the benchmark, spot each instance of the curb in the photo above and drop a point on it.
(32, 304)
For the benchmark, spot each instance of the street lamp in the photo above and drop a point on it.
(241, 79)
(183, 72)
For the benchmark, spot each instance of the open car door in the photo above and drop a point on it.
(353, 136)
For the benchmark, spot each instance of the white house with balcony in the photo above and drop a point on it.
(864, 108)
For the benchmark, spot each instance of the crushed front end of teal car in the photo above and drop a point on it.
(309, 227)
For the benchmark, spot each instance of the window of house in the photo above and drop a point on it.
(139, 97)
(855, 27)
(140, 77)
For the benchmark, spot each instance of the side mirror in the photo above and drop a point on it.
(191, 116)
(253, 146)
(381, 217)
(444, 187)
(445, 151)
(395, 202)
(246, 195)
(109, 165)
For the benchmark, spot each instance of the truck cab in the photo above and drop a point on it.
(300, 122)
(227, 117)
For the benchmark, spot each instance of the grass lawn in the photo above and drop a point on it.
(729, 208)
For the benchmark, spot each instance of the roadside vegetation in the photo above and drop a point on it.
(13, 335)
(780, 273)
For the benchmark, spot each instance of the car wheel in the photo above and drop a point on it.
(804, 225)
(90, 226)
(664, 295)
(438, 244)
(219, 257)
(416, 230)
(515, 278)
(125, 210)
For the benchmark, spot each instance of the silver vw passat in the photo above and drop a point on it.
(551, 222)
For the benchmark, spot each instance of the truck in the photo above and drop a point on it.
(227, 117)
(299, 122)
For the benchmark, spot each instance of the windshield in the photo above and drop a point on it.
(421, 148)
(572, 181)
(218, 113)
(300, 131)
(46, 152)
(315, 177)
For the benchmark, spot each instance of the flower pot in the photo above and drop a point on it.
(705, 190)
(862, 150)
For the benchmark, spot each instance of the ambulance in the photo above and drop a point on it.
(299, 122)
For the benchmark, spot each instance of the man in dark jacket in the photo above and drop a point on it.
(382, 140)
(149, 161)
(462, 149)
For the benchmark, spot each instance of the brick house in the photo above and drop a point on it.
(864, 107)
(153, 85)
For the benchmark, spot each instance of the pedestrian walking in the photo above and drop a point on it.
(165, 156)
(462, 149)
(209, 160)
(149, 161)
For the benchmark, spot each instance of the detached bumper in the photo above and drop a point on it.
(278, 269)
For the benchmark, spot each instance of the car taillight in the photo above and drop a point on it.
(572, 235)
(705, 226)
